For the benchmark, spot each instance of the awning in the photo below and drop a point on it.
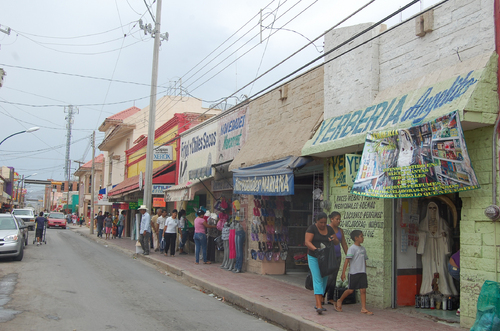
(186, 191)
(131, 184)
(270, 178)
(471, 91)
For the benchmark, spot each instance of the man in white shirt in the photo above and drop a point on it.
(160, 221)
(145, 229)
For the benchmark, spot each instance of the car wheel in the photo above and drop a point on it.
(19, 257)
(64, 228)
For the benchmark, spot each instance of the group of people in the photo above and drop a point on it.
(160, 231)
(324, 286)
(106, 223)
(162, 227)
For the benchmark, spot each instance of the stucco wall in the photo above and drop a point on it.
(477, 233)
(462, 30)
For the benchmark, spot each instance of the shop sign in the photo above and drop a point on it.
(232, 132)
(264, 185)
(159, 189)
(221, 185)
(424, 160)
(163, 153)
(124, 205)
(159, 202)
(133, 205)
(345, 169)
(198, 151)
(414, 108)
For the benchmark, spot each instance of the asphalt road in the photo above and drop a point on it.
(74, 283)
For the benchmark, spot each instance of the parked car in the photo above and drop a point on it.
(24, 229)
(11, 237)
(56, 220)
(27, 215)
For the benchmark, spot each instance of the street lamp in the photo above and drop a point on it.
(33, 129)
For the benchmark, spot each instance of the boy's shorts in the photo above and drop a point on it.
(358, 281)
(39, 233)
(108, 230)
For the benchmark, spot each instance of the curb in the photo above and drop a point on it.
(282, 318)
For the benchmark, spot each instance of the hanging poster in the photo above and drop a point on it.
(424, 160)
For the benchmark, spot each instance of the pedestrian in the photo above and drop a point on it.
(121, 223)
(145, 229)
(161, 226)
(454, 269)
(40, 224)
(183, 228)
(170, 232)
(317, 234)
(100, 223)
(200, 238)
(155, 230)
(338, 241)
(212, 233)
(109, 224)
(356, 259)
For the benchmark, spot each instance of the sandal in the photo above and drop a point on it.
(208, 262)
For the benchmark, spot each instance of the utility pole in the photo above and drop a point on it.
(70, 110)
(92, 181)
(148, 182)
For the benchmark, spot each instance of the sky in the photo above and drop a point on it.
(93, 55)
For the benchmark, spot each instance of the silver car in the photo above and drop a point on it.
(11, 237)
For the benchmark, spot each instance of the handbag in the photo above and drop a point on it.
(162, 244)
(309, 282)
(327, 260)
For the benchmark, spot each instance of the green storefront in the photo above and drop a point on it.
(395, 228)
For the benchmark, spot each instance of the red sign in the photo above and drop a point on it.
(159, 202)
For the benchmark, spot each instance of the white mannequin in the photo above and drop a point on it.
(434, 246)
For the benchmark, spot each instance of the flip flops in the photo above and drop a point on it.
(367, 312)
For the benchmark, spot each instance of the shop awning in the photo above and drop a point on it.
(186, 191)
(471, 91)
(270, 178)
(131, 184)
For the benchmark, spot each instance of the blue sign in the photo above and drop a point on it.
(160, 188)
(280, 184)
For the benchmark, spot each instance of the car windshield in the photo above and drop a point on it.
(22, 212)
(57, 216)
(7, 223)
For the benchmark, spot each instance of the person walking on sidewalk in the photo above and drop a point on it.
(200, 238)
(317, 234)
(170, 232)
(109, 224)
(161, 227)
(183, 227)
(356, 257)
(338, 241)
(120, 223)
(156, 236)
(100, 223)
(145, 229)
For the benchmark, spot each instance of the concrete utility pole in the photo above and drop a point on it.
(92, 181)
(148, 182)
(67, 167)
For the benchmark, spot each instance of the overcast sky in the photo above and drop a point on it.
(56, 49)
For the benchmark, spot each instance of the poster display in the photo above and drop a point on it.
(424, 160)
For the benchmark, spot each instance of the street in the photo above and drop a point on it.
(73, 283)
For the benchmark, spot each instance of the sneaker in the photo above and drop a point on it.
(38, 244)
(458, 312)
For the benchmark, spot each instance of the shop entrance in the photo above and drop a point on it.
(427, 234)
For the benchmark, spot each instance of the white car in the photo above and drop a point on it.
(27, 215)
(11, 237)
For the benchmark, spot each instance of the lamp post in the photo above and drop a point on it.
(33, 129)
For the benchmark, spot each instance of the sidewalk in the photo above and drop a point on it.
(274, 299)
